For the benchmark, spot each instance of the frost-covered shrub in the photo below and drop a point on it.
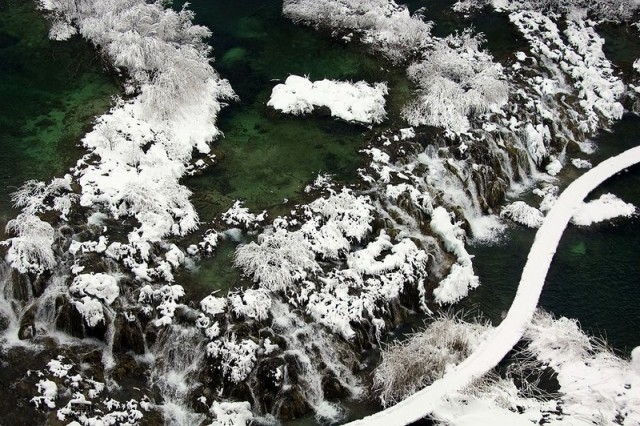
(351, 214)
(607, 10)
(237, 357)
(241, 216)
(358, 102)
(522, 213)
(280, 259)
(251, 303)
(455, 81)
(412, 364)
(382, 24)
(30, 250)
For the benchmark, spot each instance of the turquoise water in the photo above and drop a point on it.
(49, 93)
(266, 157)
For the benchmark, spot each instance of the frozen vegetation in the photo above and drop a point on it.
(501, 340)
(608, 206)
(323, 282)
(359, 102)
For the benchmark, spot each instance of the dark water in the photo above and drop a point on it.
(49, 93)
(594, 276)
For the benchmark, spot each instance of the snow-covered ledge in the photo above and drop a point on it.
(360, 102)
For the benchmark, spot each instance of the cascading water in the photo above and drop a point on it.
(178, 356)
(9, 308)
(315, 360)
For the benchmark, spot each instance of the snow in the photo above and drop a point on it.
(579, 163)
(523, 213)
(48, 391)
(138, 151)
(359, 102)
(554, 166)
(501, 340)
(90, 309)
(595, 384)
(581, 57)
(387, 27)
(213, 305)
(231, 413)
(461, 278)
(535, 137)
(607, 207)
(251, 303)
(30, 250)
(635, 359)
(101, 286)
(61, 31)
(238, 215)
(164, 300)
(238, 357)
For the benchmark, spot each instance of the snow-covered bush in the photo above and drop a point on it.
(606, 10)
(412, 364)
(251, 303)
(238, 357)
(280, 259)
(241, 216)
(455, 81)
(382, 24)
(30, 250)
(358, 102)
(522, 213)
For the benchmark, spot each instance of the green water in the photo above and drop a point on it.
(266, 157)
(49, 93)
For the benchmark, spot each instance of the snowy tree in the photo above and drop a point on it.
(455, 81)
(280, 259)
(30, 250)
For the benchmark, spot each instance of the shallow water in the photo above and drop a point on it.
(49, 93)
(266, 157)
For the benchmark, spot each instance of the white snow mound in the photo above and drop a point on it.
(359, 101)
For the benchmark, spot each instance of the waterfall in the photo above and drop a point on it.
(9, 320)
(179, 354)
(313, 348)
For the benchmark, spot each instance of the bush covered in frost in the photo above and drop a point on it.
(455, 81)
(412, 364)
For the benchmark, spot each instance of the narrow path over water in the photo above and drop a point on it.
(502, 339)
